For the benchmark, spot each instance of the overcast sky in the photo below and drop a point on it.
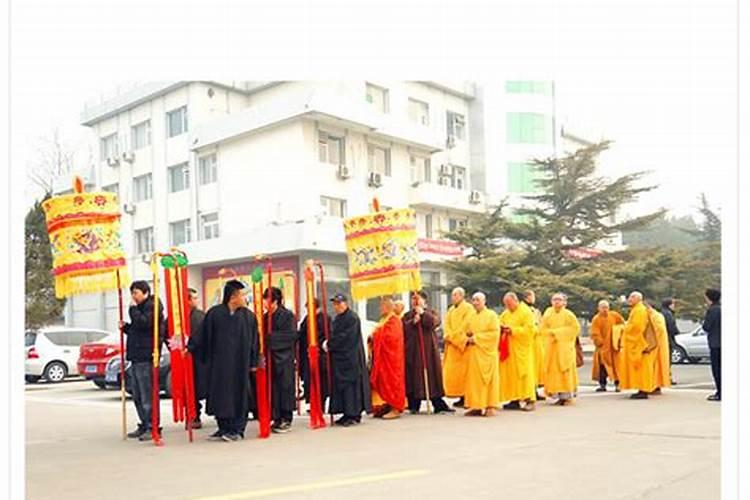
(659, 81)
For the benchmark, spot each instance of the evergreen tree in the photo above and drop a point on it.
(41, 305)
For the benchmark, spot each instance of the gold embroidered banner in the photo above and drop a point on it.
(383, 254)
(84, 233)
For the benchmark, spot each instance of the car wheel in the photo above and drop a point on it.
(679, 355)
(32, 379)
(55, 372)
(101, 384)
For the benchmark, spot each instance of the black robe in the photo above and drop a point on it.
(414, 366)
(281, 343)
(304, 362)
(351, 384)
(228, 344)
(200, 369)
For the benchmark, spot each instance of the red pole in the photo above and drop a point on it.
(122, 356)
(270, 330)
(184, 359)
(261, 384)
(327, 333)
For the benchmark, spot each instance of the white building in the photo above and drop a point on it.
(230, 170)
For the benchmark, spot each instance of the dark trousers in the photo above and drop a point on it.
(437, 404)
(602, 375)
(284, 415)
(232, 425)
(140, 385)
(716, 368)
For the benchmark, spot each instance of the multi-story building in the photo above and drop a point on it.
(229, 170)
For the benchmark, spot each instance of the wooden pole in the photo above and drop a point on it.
(327, 333)
(122, 357)
(155, 355)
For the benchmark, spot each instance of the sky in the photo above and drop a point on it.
(660, 81)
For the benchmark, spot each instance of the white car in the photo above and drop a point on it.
(53, 352)
(691, 347)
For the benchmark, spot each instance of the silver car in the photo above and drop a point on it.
(691, 347)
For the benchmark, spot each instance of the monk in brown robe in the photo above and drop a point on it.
(604, 365)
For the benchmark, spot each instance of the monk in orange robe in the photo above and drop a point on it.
(637, 365)
(604, 364)
(387, 376)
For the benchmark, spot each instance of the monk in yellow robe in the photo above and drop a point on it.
(662, 376)
(604, 364)
(482, 389)
(454, 337)
(560, 327)
(637, 366)
(517, 378)
(540, 343)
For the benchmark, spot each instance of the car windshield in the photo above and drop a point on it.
(30, 339)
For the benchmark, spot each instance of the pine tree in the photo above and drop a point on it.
(41, 305)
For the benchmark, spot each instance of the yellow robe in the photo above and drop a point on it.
(517, 375)
(560, 328)
(662, 377)
(482, 388)
(637, 367)
(454, 359)
(601, 335)
(540, 346)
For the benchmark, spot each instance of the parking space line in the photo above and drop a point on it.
(320, 485)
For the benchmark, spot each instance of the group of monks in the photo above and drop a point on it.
(512, 359)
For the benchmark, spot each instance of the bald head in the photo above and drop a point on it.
(457, 295)
(559, 300)
(603, 307)
(479, 300)
(635, 298)
(510, 300)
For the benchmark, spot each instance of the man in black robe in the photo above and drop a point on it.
(351, 386)
(429, 320)
(200, 374)
(281, 339)
(304, 362)
(228, 344)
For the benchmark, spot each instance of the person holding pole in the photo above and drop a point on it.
(424, 377)
(281, 338)
(140, 348)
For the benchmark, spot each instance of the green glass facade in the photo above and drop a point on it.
(528, 87)
(528, 128)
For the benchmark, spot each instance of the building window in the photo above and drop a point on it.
(528, 128)
(209, 226)
(140, 135)
(330, 149)
(333, 207)
(379, 160)
(142, 188)
(528, 87)
(178, 178)
(144, 240)
(179, 232)
(108, 147)
(421, 169)
(177, 121)
(112, 188)
(207, 171)
(454, 224)
(522, 178)
(377, 97)
(458, 177)
(419, 112)
(456, 125)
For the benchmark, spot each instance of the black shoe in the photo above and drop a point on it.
(445, 409)
(137, 433)
(146, 436)
(283, 428)
(601, 388)
(540, 397)
(356, 419)
(459, 403)
(513, 405)
(230, 437)
(714, 397)
(639, 395)
(275, 424)
(216, 436)
(340, 421)
(197, 424)
(347, 423)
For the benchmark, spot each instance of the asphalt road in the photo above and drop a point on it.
(604, 446)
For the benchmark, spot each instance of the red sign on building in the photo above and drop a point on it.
(440, 247)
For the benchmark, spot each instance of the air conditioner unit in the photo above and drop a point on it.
(113, 161)
(128, 208)
(128, 156)
(343, 172)
(475, 197)
(445, 171)
(375, 180)
(444, 181)
(451, 141)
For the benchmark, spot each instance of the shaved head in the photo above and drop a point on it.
(479, 300)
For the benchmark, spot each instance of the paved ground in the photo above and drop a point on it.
(605, 446)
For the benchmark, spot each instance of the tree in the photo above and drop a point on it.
(710, 228)
(575, 209)
(54, 159)
(41, 305)
(666, 232)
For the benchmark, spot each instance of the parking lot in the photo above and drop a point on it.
(604, 446)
